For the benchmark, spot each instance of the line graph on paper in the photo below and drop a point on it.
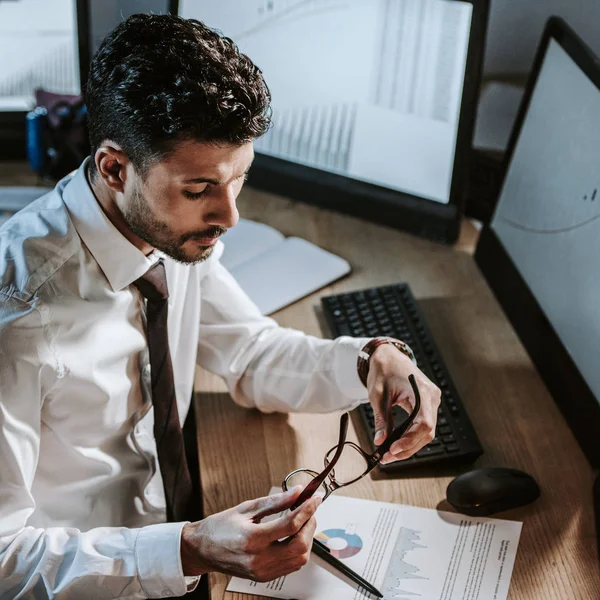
(401, 570)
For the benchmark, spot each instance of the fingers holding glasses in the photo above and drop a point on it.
(292, 553)
(298, 546)
(291, 523)
(422, 431)
(387, 384)
(270, 505)
(382, 410)
(236, 541)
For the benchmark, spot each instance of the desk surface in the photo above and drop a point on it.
(516, 419)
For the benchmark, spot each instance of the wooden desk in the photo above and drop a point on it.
(515, 417)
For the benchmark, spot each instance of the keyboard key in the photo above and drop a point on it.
(448, 439)
(452, 448)
(445, 430)
(344, 329)
(429, 451)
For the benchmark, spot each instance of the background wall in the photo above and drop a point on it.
(516, 26)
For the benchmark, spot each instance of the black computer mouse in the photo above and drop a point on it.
(483, 492)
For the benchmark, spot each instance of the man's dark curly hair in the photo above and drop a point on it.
(159, 79)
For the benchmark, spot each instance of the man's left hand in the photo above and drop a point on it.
(388, 385)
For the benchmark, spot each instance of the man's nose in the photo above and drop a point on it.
(223, 209)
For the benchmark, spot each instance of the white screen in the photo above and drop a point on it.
(366, 89)
(38, 49)
(548, 215)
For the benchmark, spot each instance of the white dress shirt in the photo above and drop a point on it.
(82, 509)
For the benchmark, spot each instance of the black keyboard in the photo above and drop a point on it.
(393, 311)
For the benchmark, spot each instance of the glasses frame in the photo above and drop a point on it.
(372, 460)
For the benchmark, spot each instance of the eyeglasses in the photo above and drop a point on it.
(346, 462)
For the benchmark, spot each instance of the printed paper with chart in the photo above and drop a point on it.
(408, 553)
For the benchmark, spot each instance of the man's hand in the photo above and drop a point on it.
(388, 385)
(237, 542)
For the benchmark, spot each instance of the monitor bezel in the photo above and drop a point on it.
(84, 35)
(565, 382)
(421, 216)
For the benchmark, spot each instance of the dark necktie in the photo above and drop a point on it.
(167, 428)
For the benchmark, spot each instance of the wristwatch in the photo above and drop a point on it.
(367, 351)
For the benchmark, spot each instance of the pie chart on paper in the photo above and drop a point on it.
(340, 543)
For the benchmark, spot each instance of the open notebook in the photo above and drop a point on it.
(274, 270)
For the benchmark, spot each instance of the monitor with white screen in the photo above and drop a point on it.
(377, 92)
(540, 251)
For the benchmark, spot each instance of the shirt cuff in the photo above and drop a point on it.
(345, 367)
(158, 560)
(192, 582)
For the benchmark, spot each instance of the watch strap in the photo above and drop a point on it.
(367, 350)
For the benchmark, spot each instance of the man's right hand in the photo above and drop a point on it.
(237, 542)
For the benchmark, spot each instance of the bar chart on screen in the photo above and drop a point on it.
(368, 90)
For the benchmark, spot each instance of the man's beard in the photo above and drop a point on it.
(146, 226)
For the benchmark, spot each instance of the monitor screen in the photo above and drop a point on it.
(368, 90)
(548, 214)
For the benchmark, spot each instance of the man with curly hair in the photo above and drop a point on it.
(111, 291)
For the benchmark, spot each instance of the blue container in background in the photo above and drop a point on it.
(36, 138)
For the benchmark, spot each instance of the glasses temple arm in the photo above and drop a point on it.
(310, 489)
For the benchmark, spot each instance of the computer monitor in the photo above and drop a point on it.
(373, 102)
(96, 19)
(540, 251)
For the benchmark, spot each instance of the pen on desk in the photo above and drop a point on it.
(322, 551)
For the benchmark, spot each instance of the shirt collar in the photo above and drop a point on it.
(121, 262)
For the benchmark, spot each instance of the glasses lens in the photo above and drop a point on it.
(303, 478)
(351, 465)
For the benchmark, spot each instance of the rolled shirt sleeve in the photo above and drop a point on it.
(270, 367)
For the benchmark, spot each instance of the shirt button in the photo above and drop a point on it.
(167, 593)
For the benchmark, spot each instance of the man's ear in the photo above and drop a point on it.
(111, 164)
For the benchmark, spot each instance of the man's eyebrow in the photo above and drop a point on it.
(213, 181)
(203, 180)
